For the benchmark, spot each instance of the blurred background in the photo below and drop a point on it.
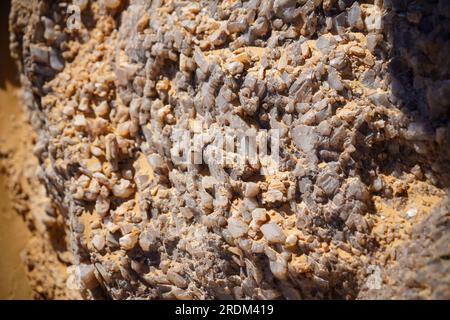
(13, 231)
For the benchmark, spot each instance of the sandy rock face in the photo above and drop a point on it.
(354, 138)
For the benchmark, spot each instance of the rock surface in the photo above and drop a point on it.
(360, 109)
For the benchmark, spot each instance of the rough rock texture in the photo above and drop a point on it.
(422, 268)
(358, 92)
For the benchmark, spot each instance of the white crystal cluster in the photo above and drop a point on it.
(108, 100)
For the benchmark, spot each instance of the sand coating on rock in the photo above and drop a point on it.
(304, 220)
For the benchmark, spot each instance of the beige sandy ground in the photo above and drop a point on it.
(14, 233)
(392, 224)
(33, 261)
